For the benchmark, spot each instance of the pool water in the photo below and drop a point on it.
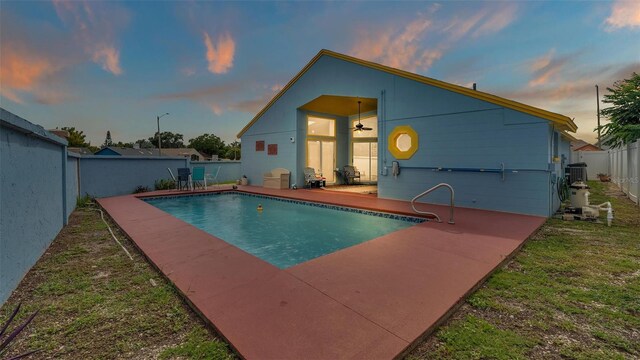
(285, 232)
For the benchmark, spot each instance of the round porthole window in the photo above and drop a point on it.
(403, 142)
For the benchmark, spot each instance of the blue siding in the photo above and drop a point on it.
(455, 131)
(31, 196)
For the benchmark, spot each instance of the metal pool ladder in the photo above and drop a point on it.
(413, 205)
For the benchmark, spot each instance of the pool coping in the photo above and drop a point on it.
(402, 286)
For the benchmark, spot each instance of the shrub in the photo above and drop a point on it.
(84, 201)
(165, 184)
(140, 189)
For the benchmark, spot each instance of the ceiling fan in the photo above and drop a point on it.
(359, 126)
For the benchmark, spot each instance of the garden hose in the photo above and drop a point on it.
(562, 187)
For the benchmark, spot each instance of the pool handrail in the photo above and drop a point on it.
(451, 205)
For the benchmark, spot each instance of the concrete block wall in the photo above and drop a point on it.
(33, 196)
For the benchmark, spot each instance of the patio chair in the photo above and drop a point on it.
(312, 179)
(175, 182)
(212, 177)
(198, 178)
(184, 178)
(350, 173)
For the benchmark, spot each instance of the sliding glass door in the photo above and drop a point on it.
(364, 149)
(365, 159)
(321, 146)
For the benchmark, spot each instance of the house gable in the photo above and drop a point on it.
(560, 121)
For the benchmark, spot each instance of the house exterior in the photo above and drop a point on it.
(497, 154)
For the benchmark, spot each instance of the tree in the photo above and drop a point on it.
(233, 151)
(209, 144)
(107, 140)
(624, 113)
(143, 144)
(76, 138)
(169, 140)
(125, 145)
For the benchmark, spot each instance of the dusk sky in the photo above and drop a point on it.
(114, 66)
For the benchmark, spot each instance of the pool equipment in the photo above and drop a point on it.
(579, 194)
(580, 208)
(259, 208)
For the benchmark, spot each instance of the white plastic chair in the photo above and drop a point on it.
(212, 177)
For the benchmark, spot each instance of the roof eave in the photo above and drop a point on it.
(562, 121)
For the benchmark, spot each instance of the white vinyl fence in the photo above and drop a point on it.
(597, 162)
(625, 170)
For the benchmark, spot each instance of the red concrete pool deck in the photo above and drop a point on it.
(369, 301)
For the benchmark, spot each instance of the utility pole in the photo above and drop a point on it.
(598, 107)
(159, 138)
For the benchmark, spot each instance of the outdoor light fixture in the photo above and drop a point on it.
(159, 138)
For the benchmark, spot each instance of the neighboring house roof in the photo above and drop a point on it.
(172, 152)
(184, 152)
(587, 147)
(80, 150)
(581, 145)
(563, 122)
(109, 150)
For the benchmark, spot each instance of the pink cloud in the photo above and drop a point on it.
(547, 67)
(95, 26)
(624, 14)
(220, 56)
(398, 47)
(418, 44)
(109, 58)
(497, 20)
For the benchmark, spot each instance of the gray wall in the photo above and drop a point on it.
(33, 163)
(40, 183)
(103, 176)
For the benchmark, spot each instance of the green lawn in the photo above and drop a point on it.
(572, 292)
(95, 303)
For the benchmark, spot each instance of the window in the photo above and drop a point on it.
(317, 126)
(403, 142)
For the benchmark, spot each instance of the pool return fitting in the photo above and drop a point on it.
(451, 205)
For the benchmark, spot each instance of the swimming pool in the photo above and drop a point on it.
(286, 232)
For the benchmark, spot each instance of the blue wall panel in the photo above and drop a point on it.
(31, 198)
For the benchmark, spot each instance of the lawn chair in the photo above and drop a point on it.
(198, 178)
(184, 178)
(175, 182)
(350, 173)
(312, 179)
(212, 177)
